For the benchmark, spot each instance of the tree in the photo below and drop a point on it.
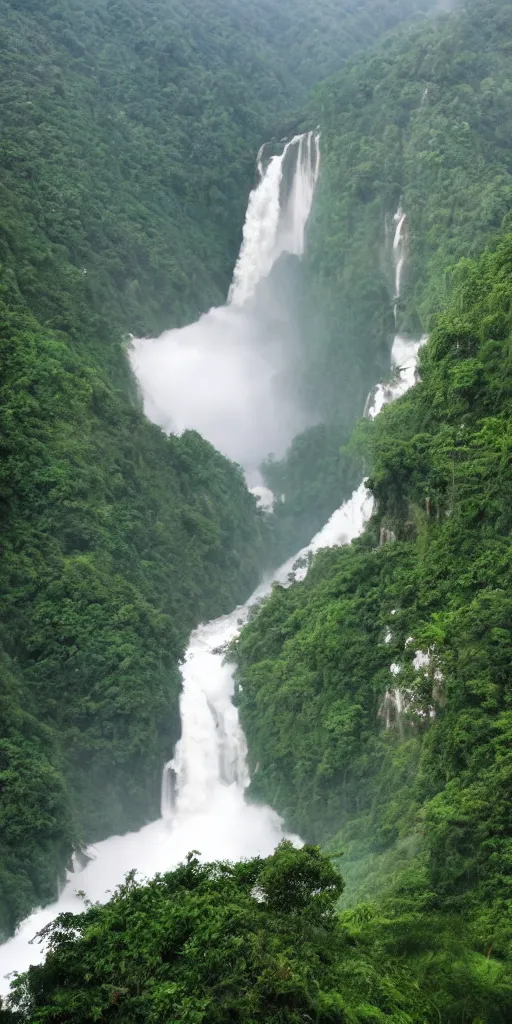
(250, 942)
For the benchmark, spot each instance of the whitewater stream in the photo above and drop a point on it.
(203, 786)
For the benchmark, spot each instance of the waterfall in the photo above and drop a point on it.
(399, 252)
(203, 785)
(167, 790)
(301, 196)
(203, 805)
(405, 356)
(229, 375)
(276, 223)
(212, 750)
(392, 708)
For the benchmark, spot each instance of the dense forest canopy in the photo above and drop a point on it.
(257, 941)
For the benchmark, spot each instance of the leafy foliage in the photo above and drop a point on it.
(255, 941)
(423, 805)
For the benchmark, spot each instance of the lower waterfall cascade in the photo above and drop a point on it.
(203, 787)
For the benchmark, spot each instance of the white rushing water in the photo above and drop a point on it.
(228, 375)
(275, 224)
(405, 353)
(399, 243)
(203, 787)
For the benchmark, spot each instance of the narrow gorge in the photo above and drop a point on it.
(203, 805)
(255, 512)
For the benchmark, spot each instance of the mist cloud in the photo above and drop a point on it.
(229, 376)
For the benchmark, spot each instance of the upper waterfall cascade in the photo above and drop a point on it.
(228, 375)
(276, 221)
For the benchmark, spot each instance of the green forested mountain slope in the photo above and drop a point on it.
(116, 541)
(36, 818)
(424, 120)
(421, 807)
(129, 130)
